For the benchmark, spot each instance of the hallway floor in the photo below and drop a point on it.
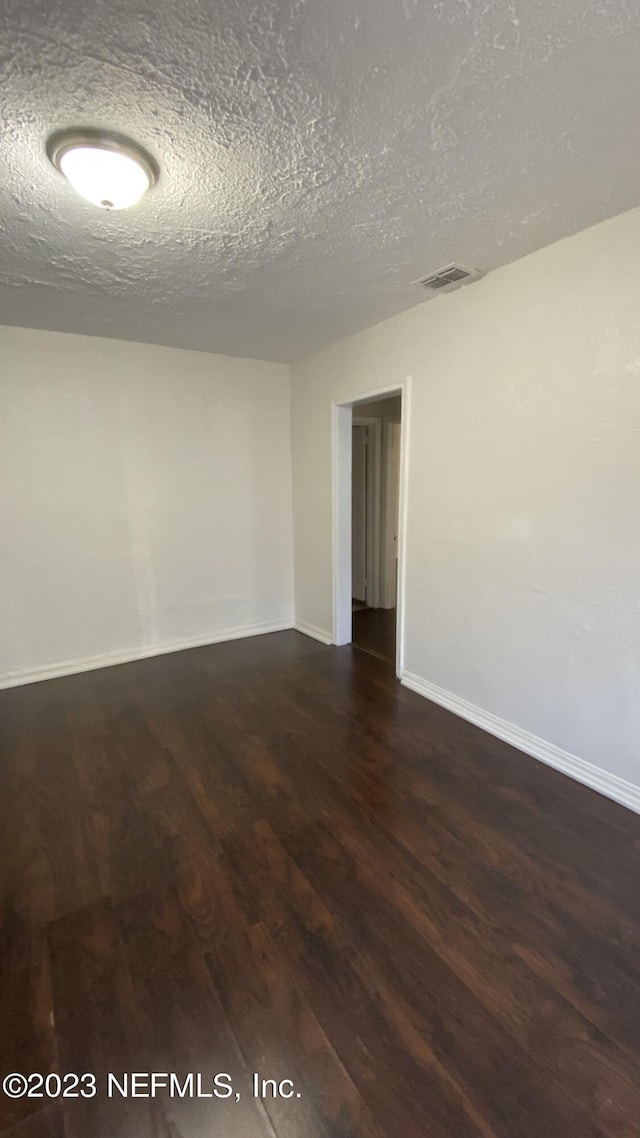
(268, 857)
(374, 631)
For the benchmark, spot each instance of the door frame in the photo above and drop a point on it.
(342, 412)
(373, 590)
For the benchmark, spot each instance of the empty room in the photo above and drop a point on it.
(319, 569)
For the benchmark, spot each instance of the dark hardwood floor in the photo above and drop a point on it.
(374, 631)
(266, 856)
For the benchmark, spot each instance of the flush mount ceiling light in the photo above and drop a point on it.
(107, 169)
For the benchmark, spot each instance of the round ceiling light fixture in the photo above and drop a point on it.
(107, 169)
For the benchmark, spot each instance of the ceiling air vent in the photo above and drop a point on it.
(449, 277)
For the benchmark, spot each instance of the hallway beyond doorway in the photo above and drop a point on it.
(375, 492)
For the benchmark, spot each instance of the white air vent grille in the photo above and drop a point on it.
(449, 277)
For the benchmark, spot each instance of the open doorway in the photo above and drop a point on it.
(369, 490)
(375, 486)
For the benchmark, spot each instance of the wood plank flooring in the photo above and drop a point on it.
(374, 631)
(266, 856)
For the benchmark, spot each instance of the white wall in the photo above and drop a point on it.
(523, 535)
(145, 498)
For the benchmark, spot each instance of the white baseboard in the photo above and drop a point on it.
(626, 793)
(107, 659)
(313, 631)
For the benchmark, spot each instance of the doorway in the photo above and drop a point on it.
(369, 489)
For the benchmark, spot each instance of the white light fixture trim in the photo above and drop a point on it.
(107, 169)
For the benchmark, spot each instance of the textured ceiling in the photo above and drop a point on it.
(317, 156)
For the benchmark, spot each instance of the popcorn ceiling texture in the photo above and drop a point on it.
(317, 156)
